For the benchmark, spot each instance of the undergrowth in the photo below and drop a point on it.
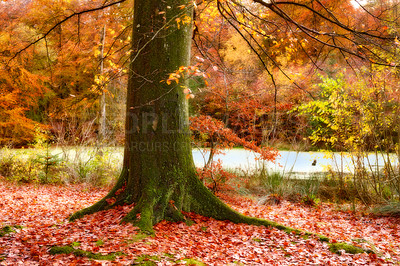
(45, 165)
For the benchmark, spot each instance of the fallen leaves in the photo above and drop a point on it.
(42, 213)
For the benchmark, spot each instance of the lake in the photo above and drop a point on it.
(301, 163)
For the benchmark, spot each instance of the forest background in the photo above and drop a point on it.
(255, 80)
(327, 79)
(70, 83)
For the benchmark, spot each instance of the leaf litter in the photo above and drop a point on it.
(42, 211)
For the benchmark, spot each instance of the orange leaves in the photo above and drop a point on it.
(19, 92)
(215, 131)
(183, 72)
(184, 20)
(210, 241)
(188, 93)
(215, 177)
(173, 77)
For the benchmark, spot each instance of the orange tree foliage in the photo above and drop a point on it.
(239, 90)
(217, 136)
(19, 91)
(263, 58)
(66, 61)
(260, 63)
(212, 133)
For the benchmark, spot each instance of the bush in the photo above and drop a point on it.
(18, 166)
(390, 209)
(214, 177)
(94, 166)
(40, 165)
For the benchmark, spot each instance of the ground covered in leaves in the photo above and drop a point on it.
(34, 217)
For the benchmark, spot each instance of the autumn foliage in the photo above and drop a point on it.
(250, 67)
(37, 220)
(19, 94)
(211, 133)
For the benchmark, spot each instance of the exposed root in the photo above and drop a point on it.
(105, 203)
(152, 210)
(155, 205)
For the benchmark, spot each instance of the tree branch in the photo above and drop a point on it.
(105, 5)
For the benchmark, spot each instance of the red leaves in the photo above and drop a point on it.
(216, 132)
(42, 210)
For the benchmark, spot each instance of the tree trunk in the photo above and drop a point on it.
(158, 173)
(103, 116)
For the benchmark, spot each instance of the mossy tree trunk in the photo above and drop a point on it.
(158, 171)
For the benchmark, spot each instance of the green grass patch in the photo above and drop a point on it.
(75, 244)
(337, 247)
(99, 243)
(390, 209)
(190, 261)
(8, 229)
(137, 237)
(82, 253)
(146, 260)
(152, 260)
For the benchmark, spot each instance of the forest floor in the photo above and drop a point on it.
(39, 214)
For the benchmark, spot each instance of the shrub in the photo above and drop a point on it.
(42, 166)
(214, 177)
(389, 209)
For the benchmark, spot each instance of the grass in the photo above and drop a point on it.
(7, 229)
(82, 253)
(388, 209)
(339, 247)
(101, 168)
(44, 164)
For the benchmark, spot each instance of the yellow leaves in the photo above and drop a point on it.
(100, 85)
(290, 50)
(396, 41)
(112, 32)
(181, 72)
(173, 77)
(178, 21)
(96, 52)
(184, 20)
(236, 53)
(100, 79)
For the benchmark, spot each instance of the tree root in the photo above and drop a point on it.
(105, 203)
(156, 205)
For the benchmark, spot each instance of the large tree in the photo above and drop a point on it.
(158, 173)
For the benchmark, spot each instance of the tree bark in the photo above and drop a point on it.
(158, 173)
(103, 115)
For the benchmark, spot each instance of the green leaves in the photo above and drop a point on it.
(348, 113)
